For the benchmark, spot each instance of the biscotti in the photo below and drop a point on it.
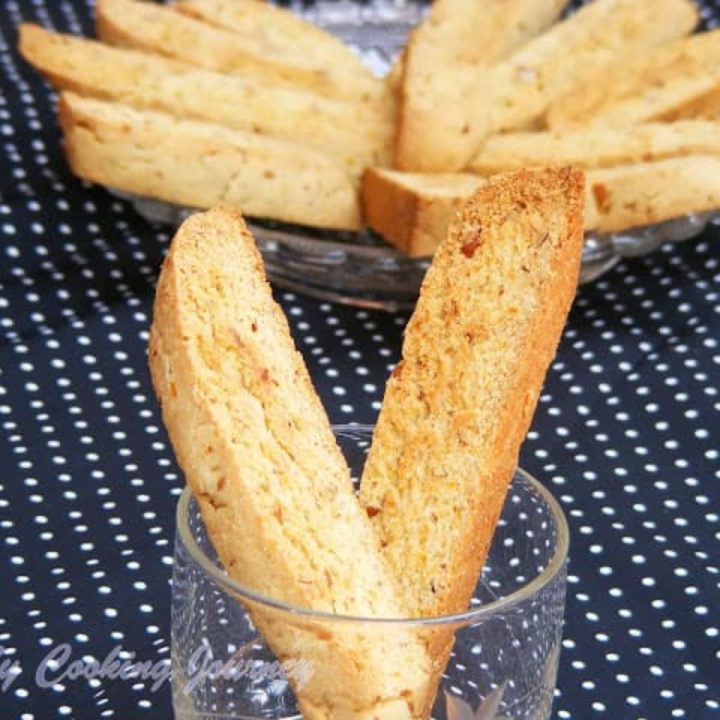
(594, 147)
(196, 164)
(702, 107)
(448, 48)
(145, 80)
(279, 33)
(629, 195)
(413, 210)
(515, 94)
(160, 28)
(275, 493)
(459, 403)
(645, 86)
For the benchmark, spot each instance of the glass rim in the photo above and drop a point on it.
(550, 571)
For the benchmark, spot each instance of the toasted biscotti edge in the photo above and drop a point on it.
(413, 211)
(703, 107)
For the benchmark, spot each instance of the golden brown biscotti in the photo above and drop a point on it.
(160, 28)
(277, 32)
(645, 86)
(595, 147)
(197, 164)
(630, 195)
(459, 403)
(275, 493)
(515, 94)
(413, 210)
(703, 107)
(343, 130)
(456, 39)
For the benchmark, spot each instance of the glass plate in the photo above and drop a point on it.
(360, 268)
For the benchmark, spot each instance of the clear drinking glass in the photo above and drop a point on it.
(504, 659)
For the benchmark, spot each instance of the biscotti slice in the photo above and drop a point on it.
(277, 32)
(197, 164)
(275, 493)
(703, 107)
(457, 38)
(630, 195)
(459, 403)
(515, 94)
(146, 80)
(413, 210)
(597, 146)
(646, 86)
(159, 28)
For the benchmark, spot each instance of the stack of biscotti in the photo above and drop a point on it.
(275, 493)
(414, 210)
(622, 88)
(243, 93)
(442, 58)
(515, 92)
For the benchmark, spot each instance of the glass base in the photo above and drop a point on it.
(496, 661)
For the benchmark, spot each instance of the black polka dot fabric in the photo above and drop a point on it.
(626, 436)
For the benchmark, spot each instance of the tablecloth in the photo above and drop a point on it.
(625, 436)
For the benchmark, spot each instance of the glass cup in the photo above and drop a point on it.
(504, 659)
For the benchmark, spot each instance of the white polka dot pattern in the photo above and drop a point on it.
(625, 436)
